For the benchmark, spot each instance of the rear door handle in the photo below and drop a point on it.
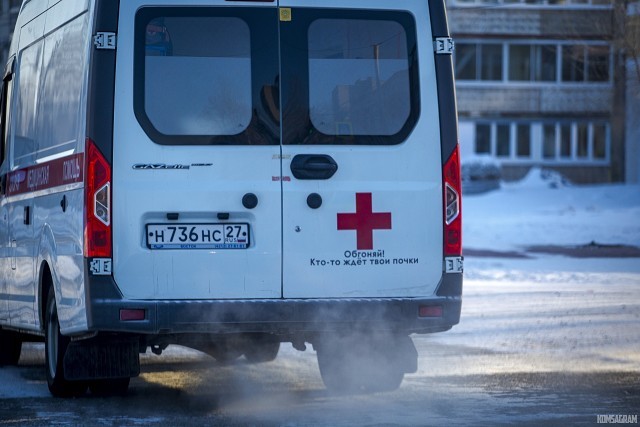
(313, 166)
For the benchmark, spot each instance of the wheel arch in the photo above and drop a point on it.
(45, 286)
(45, 272)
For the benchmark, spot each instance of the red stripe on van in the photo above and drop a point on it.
(62, 171)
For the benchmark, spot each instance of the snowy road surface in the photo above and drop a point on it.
(551, 340)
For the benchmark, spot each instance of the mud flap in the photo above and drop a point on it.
(94, 359)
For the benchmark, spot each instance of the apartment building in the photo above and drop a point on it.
(541, 83)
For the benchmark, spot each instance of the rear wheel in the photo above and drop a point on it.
(110, 387)
(55, 347)
(225, 351)
(262, 349)
(350, 364)
(10, 348)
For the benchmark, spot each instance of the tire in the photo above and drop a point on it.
(349, 365)
(110, 387)
(224, 352)
(10, 348)
(55, 345)
(262, 350)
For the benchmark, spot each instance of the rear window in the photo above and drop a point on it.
(196, 80)
(350, 77)
(197, 75)
(358, 77)
(229, 75)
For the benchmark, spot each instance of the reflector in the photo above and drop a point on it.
(430, 311)
(127, 314)
(452, 203)
(102, 202)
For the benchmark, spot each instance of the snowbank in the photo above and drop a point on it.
(544, 209)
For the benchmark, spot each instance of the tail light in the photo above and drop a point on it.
(97, 187)
(452, 189)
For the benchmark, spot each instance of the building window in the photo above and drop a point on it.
(523, 141)
(503, 140)
(490, 62)
(599, 141)
(573, 63)
(466, 60)
(549, 142)
(520, 62)
(583, 141)
(585, 63)
(533, 2)
(545, 142)
(533, 62)
(565, 141)
(544, 63)
(598, 65)
(483, 139)
(480, 61)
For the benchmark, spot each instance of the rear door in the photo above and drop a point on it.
(343, 200)
(196, 156)
(362, 195)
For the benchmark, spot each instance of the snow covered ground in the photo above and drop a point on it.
(558, 312)
(543, 210)
(542, 338)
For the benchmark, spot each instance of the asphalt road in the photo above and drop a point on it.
(555, 351)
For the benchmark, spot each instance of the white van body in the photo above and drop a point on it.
(228, 175)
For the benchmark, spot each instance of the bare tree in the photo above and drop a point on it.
(626, 31)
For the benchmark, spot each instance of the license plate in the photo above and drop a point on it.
(198, 236)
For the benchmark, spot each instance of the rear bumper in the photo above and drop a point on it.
(277, 316)
(281, 316)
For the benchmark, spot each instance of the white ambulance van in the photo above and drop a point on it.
(228, 175)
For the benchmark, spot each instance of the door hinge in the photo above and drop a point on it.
(453, 264)
(105, 40)
(443, 45)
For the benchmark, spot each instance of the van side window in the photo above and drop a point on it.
(24, 130)
(5, 104)
(60, 98)
(195, 79)
(48, 116)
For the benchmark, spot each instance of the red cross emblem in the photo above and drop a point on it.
(364, 221)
